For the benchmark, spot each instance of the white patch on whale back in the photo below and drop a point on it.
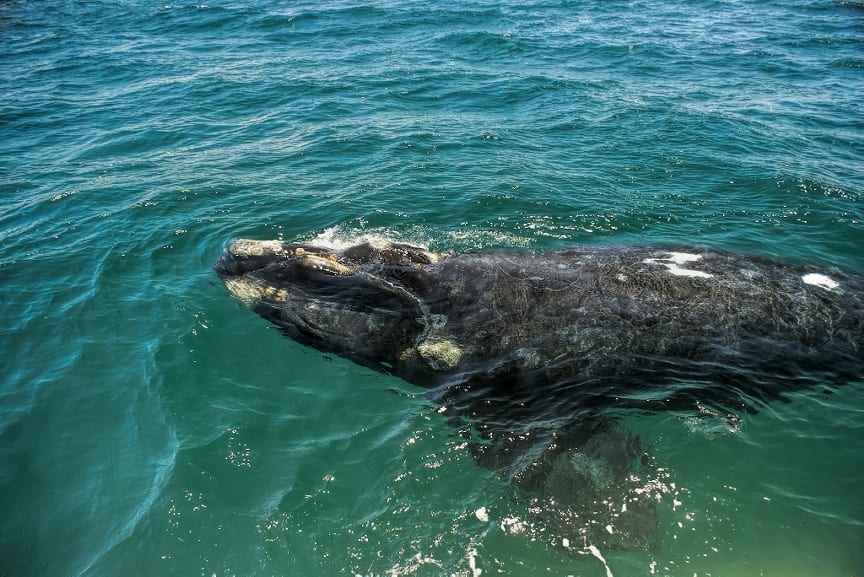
(820, 280)
(674, 262)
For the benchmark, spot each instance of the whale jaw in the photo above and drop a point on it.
(347, 301)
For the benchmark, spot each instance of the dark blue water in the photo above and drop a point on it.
(149, 425)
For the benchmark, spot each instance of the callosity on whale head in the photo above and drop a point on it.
(351, 301)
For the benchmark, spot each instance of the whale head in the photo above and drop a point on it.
(358, 301)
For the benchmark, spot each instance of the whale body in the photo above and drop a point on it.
(531, 352)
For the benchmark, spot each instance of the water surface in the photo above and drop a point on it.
(149, 425)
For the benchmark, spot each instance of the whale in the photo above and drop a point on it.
(533, 355)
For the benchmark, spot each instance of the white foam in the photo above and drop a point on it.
(335, 239)
(820, 280)
(513, 525)
(472, 563)
(596, 552)
(674, 262)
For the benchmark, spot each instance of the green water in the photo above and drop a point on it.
(150, 425)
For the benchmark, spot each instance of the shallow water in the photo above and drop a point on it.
(149, 425)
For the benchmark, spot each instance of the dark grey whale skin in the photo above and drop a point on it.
(611, 321)
(533, 349)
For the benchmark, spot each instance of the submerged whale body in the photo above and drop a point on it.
(533, 351)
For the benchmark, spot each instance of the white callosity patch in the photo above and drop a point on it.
(441, 355)
(324, 263)
(242, 289)
(820, 280)
(246, 247)
(250, 292)
(675, 261)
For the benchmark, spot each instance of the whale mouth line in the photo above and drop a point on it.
(300, 273)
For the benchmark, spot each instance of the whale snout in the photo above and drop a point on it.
(246, 248)
(226, 266)
(229, 265)
(245, 255)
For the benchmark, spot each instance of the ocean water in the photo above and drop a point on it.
(150, 425)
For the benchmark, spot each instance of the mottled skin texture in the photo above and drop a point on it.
(534, 349)
(607, 319)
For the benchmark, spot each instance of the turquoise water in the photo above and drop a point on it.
(149, 425)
